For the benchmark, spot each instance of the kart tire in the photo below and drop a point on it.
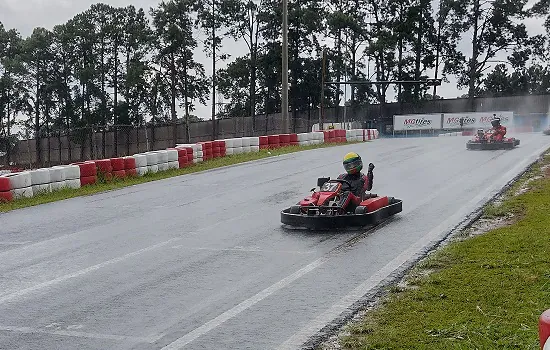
(361, 210)
(295, 209)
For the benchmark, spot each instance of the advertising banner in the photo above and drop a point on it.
(417, 122)
(476, 120)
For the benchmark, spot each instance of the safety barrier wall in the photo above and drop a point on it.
(25, 184)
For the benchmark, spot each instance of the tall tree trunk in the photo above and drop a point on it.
(475, 54)
(294, 99)
(47, 116)
(419, 52)
(339, 61)
(8, 126)
(353, 67)
(252, 92)
(115, 98)
(186, 91)
(37, 118)
(173, 86)
(437, 51)
(103, 99)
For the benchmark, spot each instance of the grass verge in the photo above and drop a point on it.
(483, 290)
(116, 184)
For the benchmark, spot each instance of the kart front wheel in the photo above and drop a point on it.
(295, 209)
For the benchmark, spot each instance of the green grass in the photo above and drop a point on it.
(485, 292)
(103, 186)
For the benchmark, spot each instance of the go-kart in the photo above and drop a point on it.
(546, 131)
(324, 209)
(484, 140)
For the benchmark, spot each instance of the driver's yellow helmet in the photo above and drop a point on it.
(353, 163)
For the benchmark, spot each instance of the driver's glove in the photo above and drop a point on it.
(371, 167)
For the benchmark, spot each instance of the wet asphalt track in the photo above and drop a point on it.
(202, 262)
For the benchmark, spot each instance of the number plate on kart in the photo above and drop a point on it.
(330, 187)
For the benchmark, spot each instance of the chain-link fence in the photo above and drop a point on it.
(96, 142)
(93, 142)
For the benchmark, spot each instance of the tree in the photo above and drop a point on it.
(532, 80)
(246, 24)
(178, 75)
(13, 97)
(38, 56)
(137, 44)
(305, 28)
(382, 45)
(213, 15)
(496, 28)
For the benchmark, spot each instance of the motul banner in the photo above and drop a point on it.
(417, 122)
(476, 120)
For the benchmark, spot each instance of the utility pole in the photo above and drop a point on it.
(321, 109)
(284, 93)
(438, 49)
(345, 86)
(213, 70)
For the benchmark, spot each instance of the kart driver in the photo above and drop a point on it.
(359, 181)
(498, 130)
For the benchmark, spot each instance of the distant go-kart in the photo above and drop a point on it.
(323, 209)
(484, 140)
(546, 132)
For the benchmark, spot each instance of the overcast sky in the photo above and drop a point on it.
(24, 15)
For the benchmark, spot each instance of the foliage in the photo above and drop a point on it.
(118, 65)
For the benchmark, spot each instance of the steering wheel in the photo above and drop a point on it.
(342, 181)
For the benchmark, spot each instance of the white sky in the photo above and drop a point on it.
(25, 15)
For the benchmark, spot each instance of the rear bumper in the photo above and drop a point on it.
(491, 146)
(341, 221)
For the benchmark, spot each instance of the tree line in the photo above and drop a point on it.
(116, 65)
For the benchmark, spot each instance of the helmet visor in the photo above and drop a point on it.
(353, 165)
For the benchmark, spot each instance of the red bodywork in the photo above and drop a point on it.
(496, 134)
(323, 198)
(376, 203)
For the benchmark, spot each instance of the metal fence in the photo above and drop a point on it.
(93, 142)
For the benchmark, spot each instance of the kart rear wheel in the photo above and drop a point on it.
(360, 210)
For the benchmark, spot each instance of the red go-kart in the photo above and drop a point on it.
(324, 209)
(484, 140)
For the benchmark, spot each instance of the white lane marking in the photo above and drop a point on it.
(23, 292)
(76, 334)
(302, 336)
(15, 243)
(208, 326)
(245, 249)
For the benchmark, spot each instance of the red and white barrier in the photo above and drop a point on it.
(20, 184)
(29, 183)
(544, 330)
(5, 189)
(130, 166)
(88, 173)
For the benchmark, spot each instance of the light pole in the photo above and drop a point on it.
(284, 93)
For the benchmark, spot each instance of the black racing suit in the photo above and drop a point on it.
(359, 184)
